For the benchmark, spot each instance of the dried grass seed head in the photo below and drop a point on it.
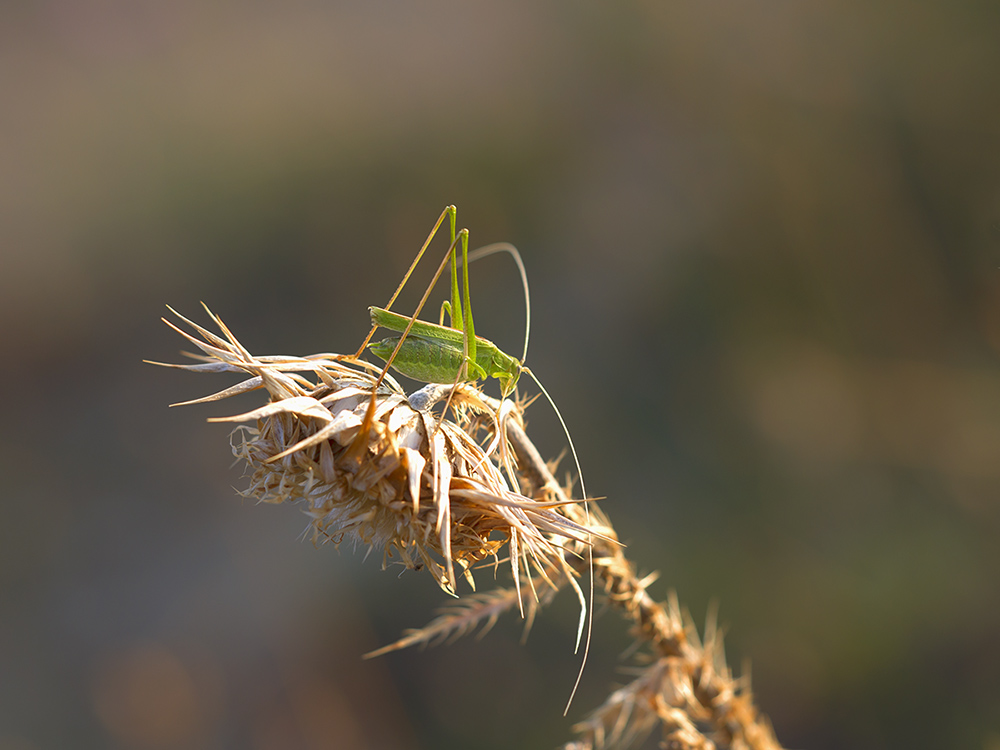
(422, 489)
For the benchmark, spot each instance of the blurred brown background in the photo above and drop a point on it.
(764, 247)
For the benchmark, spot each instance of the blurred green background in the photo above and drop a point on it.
(764, 247)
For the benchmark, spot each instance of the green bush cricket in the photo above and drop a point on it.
(436, 353)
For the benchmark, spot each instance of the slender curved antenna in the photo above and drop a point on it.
(590, 549)
(506, 247)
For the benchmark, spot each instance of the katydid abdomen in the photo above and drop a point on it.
(431, 361)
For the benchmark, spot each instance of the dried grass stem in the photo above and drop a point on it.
(423, 488)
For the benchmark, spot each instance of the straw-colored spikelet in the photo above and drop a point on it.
(416, 486)
(681, 683)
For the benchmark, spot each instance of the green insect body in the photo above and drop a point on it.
(435, 354)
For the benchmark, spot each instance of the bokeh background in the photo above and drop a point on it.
(764, 247)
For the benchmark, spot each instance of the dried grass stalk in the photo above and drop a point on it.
(421, 488)
(686, 686)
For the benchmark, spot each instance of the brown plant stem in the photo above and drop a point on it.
(711, 696)
(427, 492)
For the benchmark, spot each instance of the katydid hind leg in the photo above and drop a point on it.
(361, 439)
(455, 307)
(470, 329)
(451, 213)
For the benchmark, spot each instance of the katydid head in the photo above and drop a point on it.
(507, 370)
(508, 382)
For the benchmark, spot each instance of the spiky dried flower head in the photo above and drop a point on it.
(417, 485)
(420, 486)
